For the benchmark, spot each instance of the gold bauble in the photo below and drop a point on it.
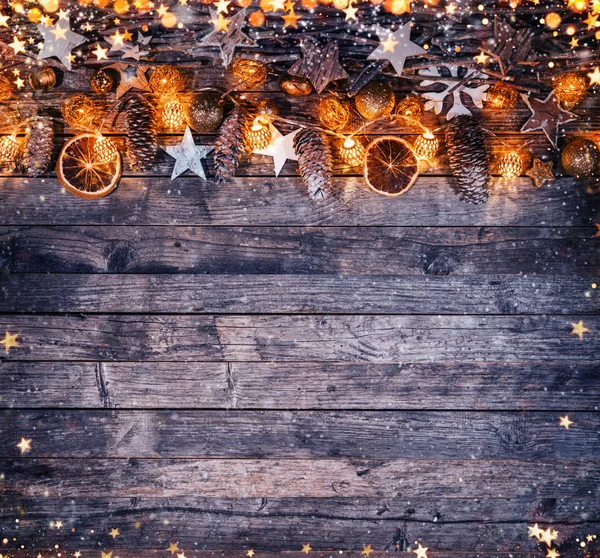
(375, 99)
(250, 72)
(105, 150)
(42, 79)
(5, 88)
(205, 112)
(167, 80)
(570, 88)
(580, 157)
(510, 165)
(296, 86)
(258, 136)
(501, 96)
(427, 146)
(79, 111)
(9, 149)
(267, 110)
(332, 114)
(173, 114)
(411, 107)
(101, 82)
(352, 152)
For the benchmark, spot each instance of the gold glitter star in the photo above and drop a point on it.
(221, 24)
(291, 20)
(367, 550)
(250, 553)
(162, 10)
(46, 20)
(566, 422)
(389, 44)
(19, 83)
(548, 536)
(3, 20)
(450, 9)
(574, 43)
(306, 548)
(9, 341)
(181, 555)
(222, 6)
(59, 32)
(24, 445)
(552, 553)
(590, 21)
(350, 12)
(535, 531)
(540, 172)
(481, 58)
(579, 329)
(589, 538)
(173, 548)
(63, 15)
(106, 554)
(17, 45)
(594, 76)
(100, 52)
(420, 551)
(58, 524)
(117, 38)
(77, 554)
(114, 533)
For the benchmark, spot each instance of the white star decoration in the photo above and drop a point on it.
(395, 46)
(59, 40)
(281, 148)
(188, 155)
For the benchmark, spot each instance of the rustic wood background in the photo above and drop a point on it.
(237, 367)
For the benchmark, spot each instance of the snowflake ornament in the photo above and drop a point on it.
(454, 74)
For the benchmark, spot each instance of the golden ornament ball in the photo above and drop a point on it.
(296, 86)
(79, 111)
(9, 148)
(352, 152)
(105, 150)
(42, 79)
(5, 88)
(102, 82)
(580, 157)
(411, 107)
(332, 113)
(570, 88)
(427, 146)
(374, 100)
(267, 110)
(251, 72)
(258, 136)
(502, 96)
(173, 114)
(510, 165)
(167, 80)
(205, 112)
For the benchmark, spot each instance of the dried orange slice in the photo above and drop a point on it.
(391, 166)
(80, 172)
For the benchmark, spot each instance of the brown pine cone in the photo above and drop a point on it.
(38, 146)
(230, 145)
(314, 162)
(141, 133)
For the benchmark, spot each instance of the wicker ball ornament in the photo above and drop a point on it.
(9, 149)
(510, 165)
(5, 88)
(42, 79)
(173, 114)
(205, 112)
(427, 146)
(502, 96)
(167, 80)
(251, 72)
(374, 100)
(79, 111)
(101, 82)
(580, 157)
(332, 114)
(105, 150)
(570, 88)
(411, 107)
(352, 152)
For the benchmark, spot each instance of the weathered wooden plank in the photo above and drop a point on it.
(302, 338)
(324, 294)
(316, 478)
(190, 201)
(301, 435)
(300, 385)
(398, 251)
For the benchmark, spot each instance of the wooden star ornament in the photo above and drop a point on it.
(540, 172)
(228, 40)
(319, 65)
(547, 116)
(130, 77)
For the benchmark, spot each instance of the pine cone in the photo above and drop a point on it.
(38, 146)
(230, 145)
(314, 162)
(469, 160)
(141, 134)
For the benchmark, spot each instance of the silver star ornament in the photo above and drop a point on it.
(395, 46)
(187, 155)
(59, 40)
(281, 148)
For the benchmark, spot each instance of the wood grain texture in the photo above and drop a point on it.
(564, 386)
(315, 478)
(232, 338)
(394, 251)
(323, 294)
(266, 202)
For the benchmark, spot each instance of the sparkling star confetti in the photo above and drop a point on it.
(9, 341)
(565, 422)
(579, 329)
(24, 445)
(420, 551)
